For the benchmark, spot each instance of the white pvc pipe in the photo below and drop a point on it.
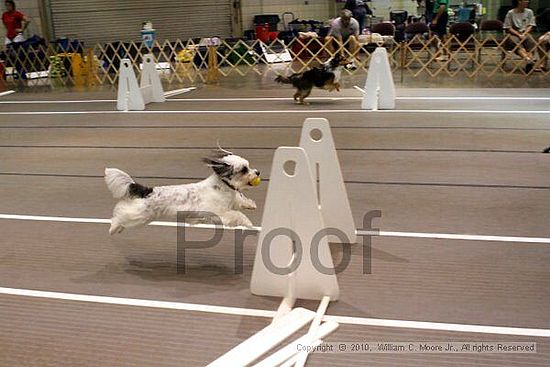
(313, 330)
(291, 350)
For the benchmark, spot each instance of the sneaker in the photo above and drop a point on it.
(442, 58)
(528, 67)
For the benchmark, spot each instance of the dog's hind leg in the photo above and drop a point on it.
(115, 227)
(297, 95)
(304, 95)
(130, 214)
(333, 87)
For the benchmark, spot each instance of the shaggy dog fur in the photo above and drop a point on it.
(220, 194)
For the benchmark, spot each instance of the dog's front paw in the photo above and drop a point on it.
(235, 218)
(247, 223)
(249, 204)
(244, 222)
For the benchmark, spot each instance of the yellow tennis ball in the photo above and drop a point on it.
(256, 181)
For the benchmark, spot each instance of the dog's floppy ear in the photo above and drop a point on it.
(222, 169)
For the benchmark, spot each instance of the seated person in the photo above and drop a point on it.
(344, 30)
(544, 48)
(519, 22)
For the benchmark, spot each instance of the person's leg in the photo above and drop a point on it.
(429, 14)
(13, 58)
(339, 46)
(353, 48)
(530, 46)
(329, 45)
(442, 32)
(515, 44)
(361, 20)
(19, 59)
(545, 48)
(525, 51)
(525, 55)
(353, 45)
(439, 30)
(441, 54)
(534, 52)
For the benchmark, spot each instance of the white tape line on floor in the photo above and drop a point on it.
(448, 236)
(304, 111)
(502, 330)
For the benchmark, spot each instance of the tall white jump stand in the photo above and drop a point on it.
(379, 92)
(319, 145)
(305, 196)
(292, 204)
(132, 97)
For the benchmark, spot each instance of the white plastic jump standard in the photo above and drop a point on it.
(379, 87)
(133, 98)
(319, 145)
(293, 258)
(291, 204)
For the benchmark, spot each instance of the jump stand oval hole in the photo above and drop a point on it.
(316, 134)
(289, 168)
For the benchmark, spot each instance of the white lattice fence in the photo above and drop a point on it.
(194, 62)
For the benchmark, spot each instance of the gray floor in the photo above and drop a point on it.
(446, 172)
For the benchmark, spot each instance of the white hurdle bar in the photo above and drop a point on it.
(264, 340)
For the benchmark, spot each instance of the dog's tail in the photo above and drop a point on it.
(118, 182)
(283, 79)
(122, 185)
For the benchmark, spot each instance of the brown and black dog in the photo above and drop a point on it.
(325, 77)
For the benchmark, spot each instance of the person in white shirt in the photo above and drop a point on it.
(519, 22)
(344, 30)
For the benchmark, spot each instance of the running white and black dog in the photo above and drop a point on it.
(219, 194)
